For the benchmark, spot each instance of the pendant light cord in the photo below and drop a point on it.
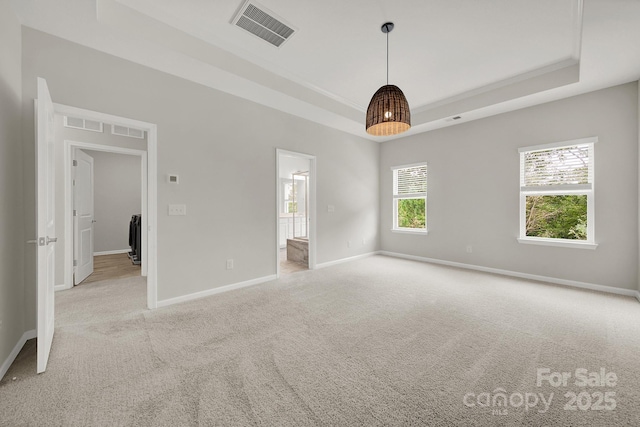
(387, 57)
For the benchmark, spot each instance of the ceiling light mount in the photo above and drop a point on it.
(388, 112)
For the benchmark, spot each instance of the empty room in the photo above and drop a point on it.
(296, 213)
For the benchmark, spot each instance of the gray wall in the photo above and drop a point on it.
(12, 246)
(79, 135)
(473, 189)
(223, 148)
(117, 196)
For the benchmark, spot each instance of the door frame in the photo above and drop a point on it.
(69, 150)
(149, 191)
(312, 205)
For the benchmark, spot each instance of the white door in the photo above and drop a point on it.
(83, 215)
(45, 158)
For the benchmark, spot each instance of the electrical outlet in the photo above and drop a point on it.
(229, 264)
(469, 249)
(177, 210)
(364, 241)
(348, 243)
(331, 208)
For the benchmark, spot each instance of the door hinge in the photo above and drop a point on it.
(75, 262)
(75, 163)
(74, 182)
(75, 212)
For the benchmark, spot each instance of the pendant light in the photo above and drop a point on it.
(388, 112)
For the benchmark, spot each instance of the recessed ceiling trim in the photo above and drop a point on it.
(547, 72)
(262, 23)
(578, 13)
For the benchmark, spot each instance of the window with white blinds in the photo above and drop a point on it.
(556, 191)
(410, 197)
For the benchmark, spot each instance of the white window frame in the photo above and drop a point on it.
(396, 197)
(560, 190)
(84, 126)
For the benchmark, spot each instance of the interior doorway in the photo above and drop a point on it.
(295, 212)
(81, 248)
(107, 195)
(47, 239)
(147, 159)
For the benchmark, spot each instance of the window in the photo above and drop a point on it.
(410, 198)
(556, 194)
(84, 124)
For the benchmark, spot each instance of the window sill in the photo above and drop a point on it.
(564, 243)
(409, 231)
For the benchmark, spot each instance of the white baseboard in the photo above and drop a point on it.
(62, 287)
(572, 283)
(343, 260)
(118, 251)
(14, 353)
(638, 296)
(214, 291)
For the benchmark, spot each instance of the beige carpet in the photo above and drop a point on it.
(374, 342)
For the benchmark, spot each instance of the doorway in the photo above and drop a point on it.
(106, 201)
(81, 249)
(148, 165)
(295, 202)
(46, 239)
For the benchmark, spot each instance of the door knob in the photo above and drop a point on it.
(51, 239)
(93, 220)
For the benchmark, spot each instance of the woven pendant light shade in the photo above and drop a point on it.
(388, 112)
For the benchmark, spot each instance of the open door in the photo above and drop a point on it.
(83, 215)
(45, 208)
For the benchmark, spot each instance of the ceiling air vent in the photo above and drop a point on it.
(262, 23)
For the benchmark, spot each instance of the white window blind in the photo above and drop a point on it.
(411, 180)
(557, 169)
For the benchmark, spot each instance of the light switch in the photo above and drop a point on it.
(177, 210)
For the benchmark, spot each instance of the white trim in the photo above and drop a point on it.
(16, 349)
(62, 287)
(312, 206)
(84, 124)
(214, 291)
(128, 134)
(638, 295)
(563, 243)
(564, 282)
(412, 165)
(577, 29)
(410, 231)
(149, 159)
(118, 251)
(343, 260)
(541, 190)
(570, 143)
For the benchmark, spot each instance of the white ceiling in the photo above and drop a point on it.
(472, 58)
